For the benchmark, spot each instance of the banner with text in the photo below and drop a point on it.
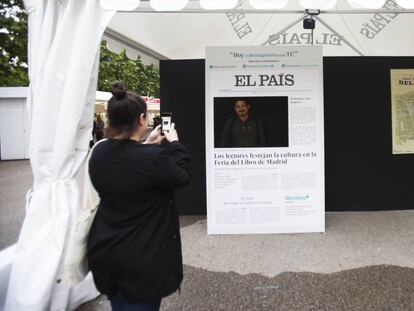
(264, 140)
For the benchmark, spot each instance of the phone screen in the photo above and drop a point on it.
(166, 118)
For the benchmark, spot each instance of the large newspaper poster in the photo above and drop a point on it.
(264, 140)
(402, 106)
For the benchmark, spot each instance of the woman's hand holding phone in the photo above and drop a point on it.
(171, 135)
(155, 136)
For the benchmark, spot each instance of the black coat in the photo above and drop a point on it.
(134, 245)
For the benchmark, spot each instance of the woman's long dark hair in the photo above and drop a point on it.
(124, 109)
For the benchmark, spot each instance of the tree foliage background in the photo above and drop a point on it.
(140, 78)
(13, 44)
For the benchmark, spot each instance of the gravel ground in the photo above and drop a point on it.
(364, 261)
(15, 180)
(373, 288)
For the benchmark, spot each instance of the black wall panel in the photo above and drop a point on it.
(361, 172)
(183, 94)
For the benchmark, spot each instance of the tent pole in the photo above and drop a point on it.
(268, 12)
(339, 36)
(274, 36)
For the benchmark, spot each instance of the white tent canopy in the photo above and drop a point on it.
(185, 34)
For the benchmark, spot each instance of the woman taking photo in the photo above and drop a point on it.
(134, 246)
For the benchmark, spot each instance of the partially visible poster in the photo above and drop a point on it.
(402, 103)
(264, 140)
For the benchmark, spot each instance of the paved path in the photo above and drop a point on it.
(15, 179)
(364, 261)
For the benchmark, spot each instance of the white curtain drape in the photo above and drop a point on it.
(64, 40)
(218, 4)
(268, 4)
(318, 4)
(406, 4)
(367, 4)
(168, 5)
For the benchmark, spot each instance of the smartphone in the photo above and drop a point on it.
(166, 119)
